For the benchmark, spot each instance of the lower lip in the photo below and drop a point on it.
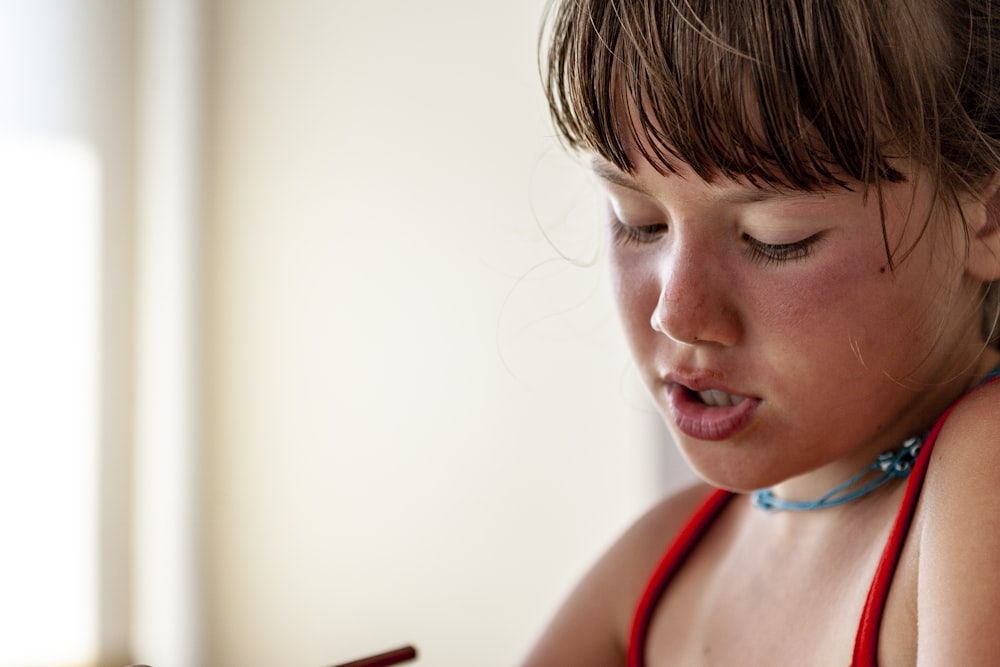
(705, 422)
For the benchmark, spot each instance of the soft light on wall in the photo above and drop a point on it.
(49, 295)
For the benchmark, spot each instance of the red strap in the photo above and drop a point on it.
(866, 640)
(667, 567)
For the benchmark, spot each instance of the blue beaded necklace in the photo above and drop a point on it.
(889, 465)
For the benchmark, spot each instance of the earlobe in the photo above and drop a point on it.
(983, 262)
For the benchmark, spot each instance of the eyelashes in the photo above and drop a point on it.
(758, 251)
(774, 253)
(635, 234)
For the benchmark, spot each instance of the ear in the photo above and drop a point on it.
(983, 262)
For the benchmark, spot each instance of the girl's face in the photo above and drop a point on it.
(776, 341)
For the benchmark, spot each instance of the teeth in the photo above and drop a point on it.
(719, 399)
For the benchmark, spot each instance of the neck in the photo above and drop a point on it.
(925, 409)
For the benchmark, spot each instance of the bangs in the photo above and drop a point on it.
(794, 94)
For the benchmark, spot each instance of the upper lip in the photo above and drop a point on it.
(701, 380)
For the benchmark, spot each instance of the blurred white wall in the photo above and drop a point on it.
(419, 428)
(66, 103)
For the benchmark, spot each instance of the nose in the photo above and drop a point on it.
(697, 304)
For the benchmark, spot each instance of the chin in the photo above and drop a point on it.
(726, 468)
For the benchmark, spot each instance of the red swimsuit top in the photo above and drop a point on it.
(866, 640)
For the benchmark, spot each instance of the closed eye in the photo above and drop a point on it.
(774, 253)
(636, 234)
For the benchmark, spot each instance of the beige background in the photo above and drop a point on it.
(423, 422)
(362, 381)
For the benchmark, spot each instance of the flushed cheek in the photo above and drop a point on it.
(844, 322)
(803, 302)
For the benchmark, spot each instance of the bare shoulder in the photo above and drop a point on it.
(633, 557)
(972, 428)
(591, 628)
(629, 563)
(959, 549)
(966, 458)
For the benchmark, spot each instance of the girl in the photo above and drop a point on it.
(802, 202)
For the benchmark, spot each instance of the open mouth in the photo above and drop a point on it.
(714, 398)
(710, 414)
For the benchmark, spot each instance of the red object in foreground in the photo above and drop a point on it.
(396, 657)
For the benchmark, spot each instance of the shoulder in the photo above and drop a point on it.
(593, 624)
(966, 457)
(630, 562)
(958, 590)
(636, 553)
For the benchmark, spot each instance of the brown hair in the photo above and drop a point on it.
(792, 93)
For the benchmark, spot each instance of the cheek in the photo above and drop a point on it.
(850, 316)
(824, 309)
(635, 292)
(805, 297)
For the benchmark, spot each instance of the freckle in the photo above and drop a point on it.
(881, 269)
